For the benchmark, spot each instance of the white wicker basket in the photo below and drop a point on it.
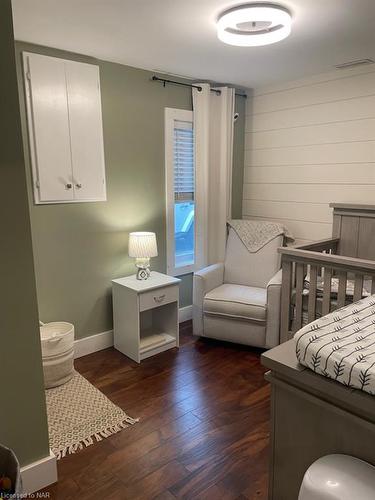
(57, 340)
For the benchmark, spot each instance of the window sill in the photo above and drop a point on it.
(182, 271)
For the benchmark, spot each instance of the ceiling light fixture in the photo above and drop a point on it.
(254, 24)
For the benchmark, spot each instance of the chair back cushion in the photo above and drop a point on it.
(251, 269)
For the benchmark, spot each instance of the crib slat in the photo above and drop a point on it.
(312, 293)
(358, 287)
(300, 274)
(327, 291)
(286, 289)
(341, 294)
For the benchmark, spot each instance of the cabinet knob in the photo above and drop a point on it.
(160, 298)
(78, 185)
(68, 186)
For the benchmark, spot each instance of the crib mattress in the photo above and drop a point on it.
(341, 345)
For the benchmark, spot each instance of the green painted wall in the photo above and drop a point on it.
(23, 424)
(79, 248)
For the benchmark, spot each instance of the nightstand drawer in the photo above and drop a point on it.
(158, 297)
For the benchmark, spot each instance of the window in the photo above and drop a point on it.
(180, 191)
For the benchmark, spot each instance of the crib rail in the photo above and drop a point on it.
(327, 245)
(334, 280)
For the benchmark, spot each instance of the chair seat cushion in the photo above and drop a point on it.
(237, 301)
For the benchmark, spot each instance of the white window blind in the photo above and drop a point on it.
(184, 181)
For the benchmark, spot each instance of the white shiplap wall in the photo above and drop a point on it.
(308, 143)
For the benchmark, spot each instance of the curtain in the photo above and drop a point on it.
(213, 136)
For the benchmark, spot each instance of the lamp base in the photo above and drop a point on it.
(143, 268)
(143, 273)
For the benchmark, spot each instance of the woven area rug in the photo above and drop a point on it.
(79, 414)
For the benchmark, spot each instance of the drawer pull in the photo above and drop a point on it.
(160, 298)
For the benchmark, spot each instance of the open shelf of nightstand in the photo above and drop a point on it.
(157, 329)
(153, 341)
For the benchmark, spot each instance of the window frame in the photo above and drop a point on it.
(172, 115)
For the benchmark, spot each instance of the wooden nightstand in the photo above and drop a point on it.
(145, 315)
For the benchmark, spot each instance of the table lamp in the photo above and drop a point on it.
(142, 246)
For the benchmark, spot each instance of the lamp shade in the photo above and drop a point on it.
(142, 245)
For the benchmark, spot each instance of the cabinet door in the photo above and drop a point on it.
(86, 132)
(49, 128)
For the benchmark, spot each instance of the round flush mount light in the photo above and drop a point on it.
(254, 24)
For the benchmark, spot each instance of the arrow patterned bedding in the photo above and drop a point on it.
(341, 345)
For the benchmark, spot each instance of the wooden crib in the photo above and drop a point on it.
(322, 276)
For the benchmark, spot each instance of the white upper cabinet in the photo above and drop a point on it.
(49, 130)
(86, 136)
(65, 130)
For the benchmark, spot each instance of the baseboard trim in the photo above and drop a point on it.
(94, 343)
(39, 474)
(100, 341)
(185, 313)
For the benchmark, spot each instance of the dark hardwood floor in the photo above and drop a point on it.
(203, 433)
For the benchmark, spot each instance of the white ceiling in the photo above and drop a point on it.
(179, 36)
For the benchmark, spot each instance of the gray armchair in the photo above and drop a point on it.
(239, 300)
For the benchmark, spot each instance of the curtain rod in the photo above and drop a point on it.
(191, 85)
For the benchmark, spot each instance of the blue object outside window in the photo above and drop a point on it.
(184, 233)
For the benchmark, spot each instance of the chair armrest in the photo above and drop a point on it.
(204, 281)
(276, 279)
(273, 310)
(211, 277)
